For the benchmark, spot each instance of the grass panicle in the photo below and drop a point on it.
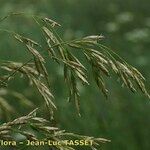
(104, 63)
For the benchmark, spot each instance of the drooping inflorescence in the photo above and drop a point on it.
(103, 62)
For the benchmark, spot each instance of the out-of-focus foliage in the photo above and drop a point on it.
(124, 118)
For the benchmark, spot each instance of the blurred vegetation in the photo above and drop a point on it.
(124, 117)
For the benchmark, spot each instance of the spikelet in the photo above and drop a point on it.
(51, 22)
